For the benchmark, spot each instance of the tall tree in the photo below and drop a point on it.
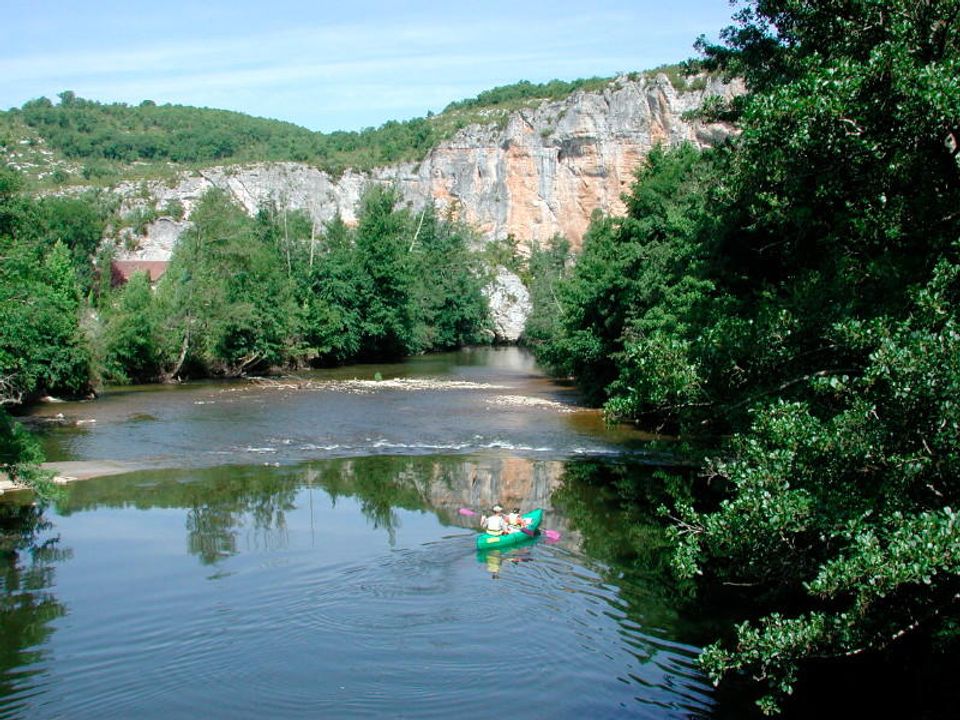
(42, 348)
(450, 307)
(226, 299)
(383, 238)
(839, 257)
(798, 292)
(131, 334)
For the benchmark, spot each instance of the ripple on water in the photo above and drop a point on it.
(423, 628)
(367, 638)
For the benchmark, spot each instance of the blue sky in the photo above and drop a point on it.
(328, 66)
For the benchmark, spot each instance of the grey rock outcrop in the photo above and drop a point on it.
(510, 305)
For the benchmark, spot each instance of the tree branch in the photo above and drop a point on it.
(10, 394)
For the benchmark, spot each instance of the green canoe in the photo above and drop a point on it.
(485, 541)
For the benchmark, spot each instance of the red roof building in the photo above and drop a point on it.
(123, 270)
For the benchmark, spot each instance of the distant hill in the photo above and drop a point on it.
(83, 141)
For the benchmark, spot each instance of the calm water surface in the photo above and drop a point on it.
(300, 554)
(489, 399)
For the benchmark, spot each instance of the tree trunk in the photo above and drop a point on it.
(171, 377)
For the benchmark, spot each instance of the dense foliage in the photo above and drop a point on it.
(42, 348)
(799, 290)
(103, 135)
(241, 294)
(245, 294)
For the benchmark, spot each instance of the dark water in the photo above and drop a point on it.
(339, 579)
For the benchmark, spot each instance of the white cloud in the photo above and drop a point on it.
(404, 65)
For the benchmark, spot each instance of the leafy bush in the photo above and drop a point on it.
(796, 292)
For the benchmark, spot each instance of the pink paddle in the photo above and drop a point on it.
(551, 535)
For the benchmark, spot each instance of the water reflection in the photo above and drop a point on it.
(28, 552)
(307, 598)
(493, 560)
(223, 501)
(605, 511)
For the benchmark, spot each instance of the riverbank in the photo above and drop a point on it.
(69, 471)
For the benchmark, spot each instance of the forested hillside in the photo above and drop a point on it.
(93, 141)
(797, 292)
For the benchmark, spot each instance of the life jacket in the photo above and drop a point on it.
(495, 525)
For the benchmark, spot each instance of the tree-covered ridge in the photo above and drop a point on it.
(797, 291)
(82, 128)
(84, 140)
(104, 136)
(525, 90)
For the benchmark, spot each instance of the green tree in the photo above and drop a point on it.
(797, 291)
(450, 308)
(131, 343)
(634, 279)
(79, 224)
(383, 238)
(547, 267)
(20, 457)
(837, 257)
(226, 303)
(331, 292)
(851, 510)
(42, 349)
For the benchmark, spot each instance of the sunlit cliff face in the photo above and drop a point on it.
(545, 171)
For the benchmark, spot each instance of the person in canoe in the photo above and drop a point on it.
(515, 521)
(496, 524)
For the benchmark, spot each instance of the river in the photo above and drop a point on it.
(293, 548)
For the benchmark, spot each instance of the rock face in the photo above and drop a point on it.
(544, 172)
(510, 305)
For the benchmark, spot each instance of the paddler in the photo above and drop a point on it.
(515, 521)
(495, 524)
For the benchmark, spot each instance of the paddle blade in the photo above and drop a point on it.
(467, 512)
(551, 535)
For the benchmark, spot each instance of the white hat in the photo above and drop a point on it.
(497, 508)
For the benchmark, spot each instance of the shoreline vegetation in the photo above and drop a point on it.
(793, 295)
(797, 292)
(70, 471)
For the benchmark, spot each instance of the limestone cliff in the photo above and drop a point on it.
(510, 305)
(542, 172)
